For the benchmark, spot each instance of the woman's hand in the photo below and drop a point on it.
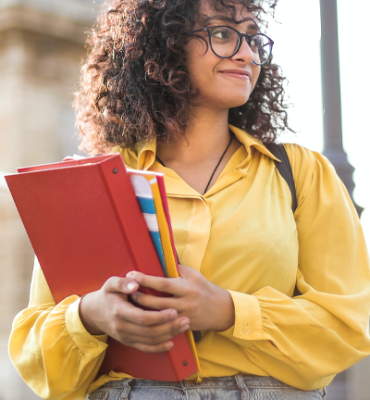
(109, 311)
(206, 305)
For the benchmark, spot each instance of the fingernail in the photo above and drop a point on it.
(131, 286)
(173, 314)
(131, 275)
(168, 346)
(184, 322)
(184, 328)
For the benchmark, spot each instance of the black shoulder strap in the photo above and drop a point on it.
(285, 169)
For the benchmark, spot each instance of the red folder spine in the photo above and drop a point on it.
(134, 229)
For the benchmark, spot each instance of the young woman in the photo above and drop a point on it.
(187, 88)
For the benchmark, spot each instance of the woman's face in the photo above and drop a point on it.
(223, 83)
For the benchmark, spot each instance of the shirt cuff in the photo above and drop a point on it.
(248, 319)
(90, 345)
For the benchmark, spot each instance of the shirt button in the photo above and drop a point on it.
(247, 330)
(93, 344)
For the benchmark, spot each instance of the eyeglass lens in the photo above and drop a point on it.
(225, 41)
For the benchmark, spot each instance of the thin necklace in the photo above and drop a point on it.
(214, 171)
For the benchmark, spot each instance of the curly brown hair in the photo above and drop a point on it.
(135, 85)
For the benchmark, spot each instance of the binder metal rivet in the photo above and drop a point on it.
(115, 171)
(185, 363)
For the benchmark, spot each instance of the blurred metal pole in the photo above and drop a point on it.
(332, 119)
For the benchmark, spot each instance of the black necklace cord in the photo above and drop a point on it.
(160, 161)
(219, 162)
(214, 171)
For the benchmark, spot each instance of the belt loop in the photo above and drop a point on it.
(183, 388)
(126, 389)
(243, 388)
(324, 393)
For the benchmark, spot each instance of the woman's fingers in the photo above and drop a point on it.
(166, 285)
(128, 312)
(155, 335)
(117, 284)
(155, 302)
(109, 311)
(135, 327)
(160, 348)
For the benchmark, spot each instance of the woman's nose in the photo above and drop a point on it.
(245, 53)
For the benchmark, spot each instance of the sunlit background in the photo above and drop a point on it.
(296, 31)
(41, 47)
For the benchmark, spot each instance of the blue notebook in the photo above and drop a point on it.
(144, 195)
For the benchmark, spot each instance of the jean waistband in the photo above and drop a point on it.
(229, 382)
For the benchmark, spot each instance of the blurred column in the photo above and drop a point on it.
(332, 119)
(41, 47)
(332, 124)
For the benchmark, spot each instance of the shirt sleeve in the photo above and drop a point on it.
(306, 339)
(50, 347)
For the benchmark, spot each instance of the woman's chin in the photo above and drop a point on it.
(236, 102)
(222, 102)
(236, 99)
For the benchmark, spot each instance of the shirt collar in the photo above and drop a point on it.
(142, 155)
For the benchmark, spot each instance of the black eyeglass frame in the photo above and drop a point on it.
(247, 37)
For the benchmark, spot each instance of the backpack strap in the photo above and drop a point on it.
(284, 168)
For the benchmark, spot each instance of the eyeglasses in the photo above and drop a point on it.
(225, 42)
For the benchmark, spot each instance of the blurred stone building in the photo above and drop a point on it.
(41, 48)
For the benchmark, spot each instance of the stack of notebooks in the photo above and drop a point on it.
(90, 219)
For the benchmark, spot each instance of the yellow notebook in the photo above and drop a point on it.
(169, 253)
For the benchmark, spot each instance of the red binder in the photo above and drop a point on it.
(85, 225)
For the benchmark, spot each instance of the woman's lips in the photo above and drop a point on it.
(243, 75)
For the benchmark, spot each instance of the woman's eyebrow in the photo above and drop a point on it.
(252, 26)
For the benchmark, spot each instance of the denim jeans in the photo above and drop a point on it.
(236, 387)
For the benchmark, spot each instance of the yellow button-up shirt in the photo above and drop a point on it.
(242, 236)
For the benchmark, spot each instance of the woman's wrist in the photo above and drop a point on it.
(224, 310)
(86, 310)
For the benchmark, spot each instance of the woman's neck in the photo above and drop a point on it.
(202, 154)
(205, 138)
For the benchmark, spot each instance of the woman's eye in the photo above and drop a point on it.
(221, 33)
(256, 43)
